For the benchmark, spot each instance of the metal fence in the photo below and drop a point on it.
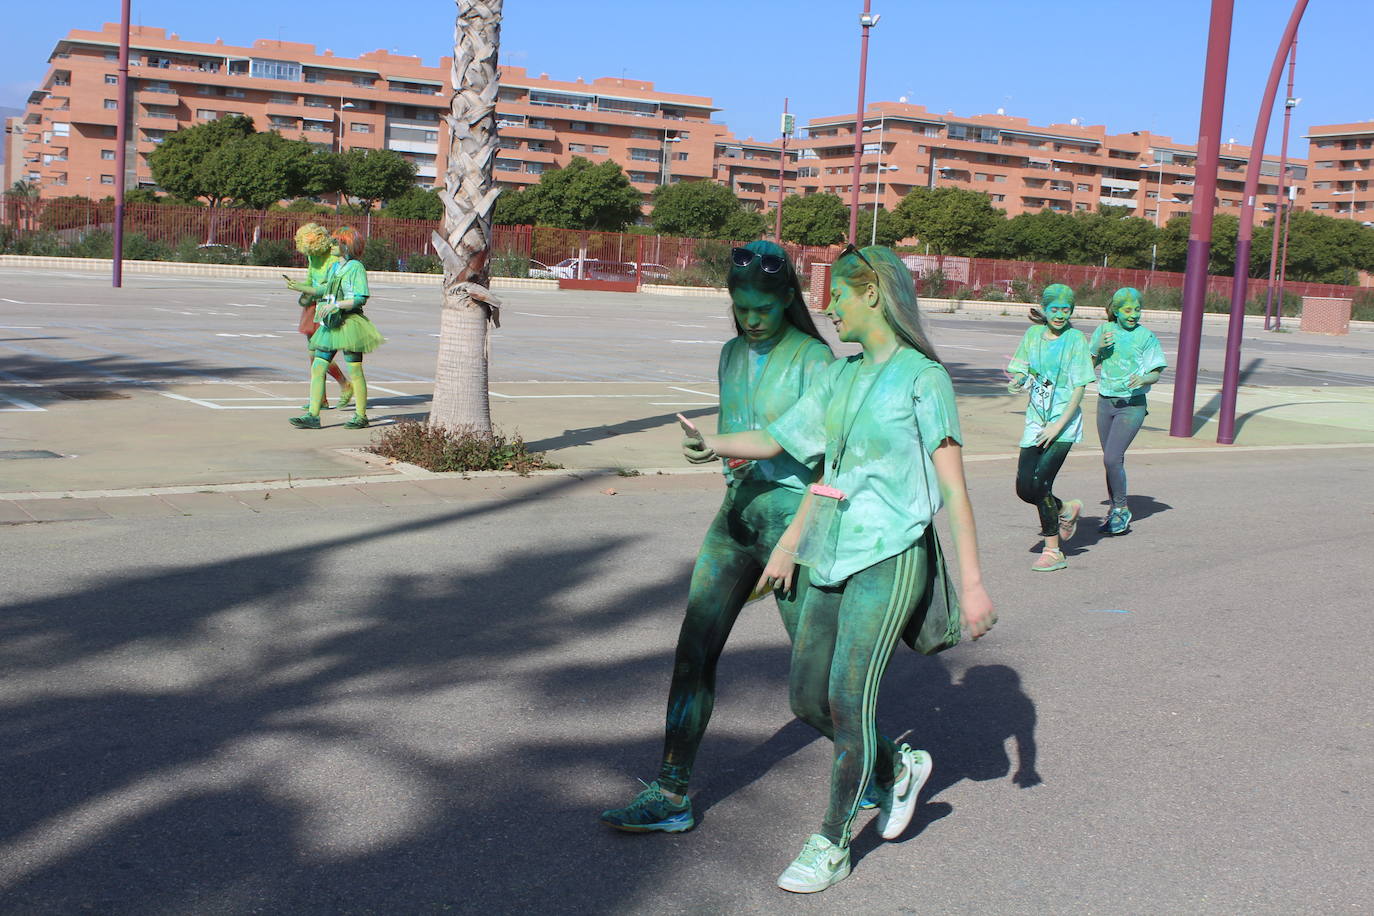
(529, 251)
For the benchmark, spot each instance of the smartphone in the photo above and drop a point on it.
(688, 427)
(286, 278)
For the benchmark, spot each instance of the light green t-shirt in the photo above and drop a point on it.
(757, 385)
(1056, 367)
(895, 414)
(348, 280)
(1133, 352)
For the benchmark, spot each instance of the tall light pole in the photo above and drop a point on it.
(1159, 202)
(866, 22)
(121, 141)
(1240, 273)
(878, 199)
(788, 123)
(1288, 105)
(1200, 227)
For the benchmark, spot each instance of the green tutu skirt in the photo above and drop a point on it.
(357, 334)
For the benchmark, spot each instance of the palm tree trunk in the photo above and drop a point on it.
(460, 377)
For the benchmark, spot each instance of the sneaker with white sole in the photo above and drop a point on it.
(1049, 561)
(900, 803)
(820, 865)
(652, 810)
(1068, 519)
(1121, 521)
(1106, 526)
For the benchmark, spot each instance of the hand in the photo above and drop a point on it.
(1135, 381)
(976, 611)
(1049, 434)
(780, 573)
(294, 285)
(696, 451)
(1016, 385)
(1105, 343)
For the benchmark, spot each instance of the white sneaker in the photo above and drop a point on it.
(900, 804)
(820, 865)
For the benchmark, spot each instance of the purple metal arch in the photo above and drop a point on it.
(1230, 381)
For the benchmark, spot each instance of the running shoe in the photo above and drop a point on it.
(357, 421)
(1106, 526)
(901, 802)
(652, 810)
(1068, 520)
(306, 421)
(820, 865)
(1121, 521)
(345, 398)
(1049, 561)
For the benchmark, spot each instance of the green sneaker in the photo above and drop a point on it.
(357, 421)
(306, 421)
(914, 769)
(652, 810)
(820, 865)
(1121, 522)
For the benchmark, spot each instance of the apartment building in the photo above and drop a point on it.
(1342, 159)
(65, 142)
(1022, 167)
(750, 168)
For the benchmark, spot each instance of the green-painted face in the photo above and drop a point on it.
(851, 309)
(1128, 315)
(760, 314)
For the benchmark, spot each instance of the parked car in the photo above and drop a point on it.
(567, 269)
(538, 270)
(653, 273)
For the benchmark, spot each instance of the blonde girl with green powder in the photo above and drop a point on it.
(886, 426)
(343, 328)
(313, 241)
(1052, 365)
(1129, 360)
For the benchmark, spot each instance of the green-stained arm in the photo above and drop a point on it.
(754, 444)
(1149, 378)
(781, 571)
(975, 605)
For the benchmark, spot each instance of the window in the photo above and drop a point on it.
(507, 143)
(111, 79)
(234, 93)
(639, 133)
(359, 127)
(107, 179)
(535, 168)
(262, 68)
(1085, 187)
(111, 105)
(314, 76)
(107, 154)
(206, 114)
(539, 146)
(317, 126)
(643, 177)
(112, 55)
(282, 122)
(364, 81)
(314, 101)
(541, 124)
(205, 90)
(680, 157)
(282, 98)
(157, 86)
(581, 126)
(508, 165)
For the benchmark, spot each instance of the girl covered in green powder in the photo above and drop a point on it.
(886, 426)
(1130, 361)
(313, 241)
(774, 357)
(1052, 364)
(343, 327)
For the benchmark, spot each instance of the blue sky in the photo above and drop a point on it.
(1128, 65)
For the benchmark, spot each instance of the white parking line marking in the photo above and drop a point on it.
(705, 394)
(20, 405)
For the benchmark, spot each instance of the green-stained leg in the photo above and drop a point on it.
(354, 362)
(844, 640)
(318, 367)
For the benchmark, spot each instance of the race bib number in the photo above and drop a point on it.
(1041, 395)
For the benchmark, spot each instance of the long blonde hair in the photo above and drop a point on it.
(896, 292)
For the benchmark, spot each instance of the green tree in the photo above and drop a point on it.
(516, 208)
(186, 163)
(698, 209)
(1325, 249)
(889, 228)
(1114, 235)
(585, 196)
(372, 175)
(1041, 236)
(1173, 244)
(949, 220)
(814, 219)
(745, 225)
(417, 203)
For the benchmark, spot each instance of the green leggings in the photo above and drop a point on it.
(845, 637)
(737, 546)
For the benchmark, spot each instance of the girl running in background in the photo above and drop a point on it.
(886, 424)
(1051, 362)
(313, 241)
(774, 357)
(1130, 360)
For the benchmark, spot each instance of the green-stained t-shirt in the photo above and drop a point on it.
(1062, 362)
(1133, 352)
(896, 414)
(318, 277)
(348, 280)
(757, 385)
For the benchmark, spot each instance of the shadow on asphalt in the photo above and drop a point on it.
(1213, 406)
(112, 373)
(589, 434)
(969, 380)
(303, 759)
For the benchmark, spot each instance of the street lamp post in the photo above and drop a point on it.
(1289, 104)
(878, 199)
(788, 123)
(1159, 201)
(866, 22)
(121, 146)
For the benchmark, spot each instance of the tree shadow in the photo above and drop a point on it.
(977, 381)
(588, 434)
(43, 379)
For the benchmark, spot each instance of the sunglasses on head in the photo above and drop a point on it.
(853, 249)
(768, 263)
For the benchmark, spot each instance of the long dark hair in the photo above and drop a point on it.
(896, 292)
(779, 284)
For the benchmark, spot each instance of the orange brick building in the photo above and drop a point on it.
(1022, 167)
(1342, 160)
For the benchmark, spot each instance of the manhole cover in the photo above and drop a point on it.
(15, 454)
(92, 394)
